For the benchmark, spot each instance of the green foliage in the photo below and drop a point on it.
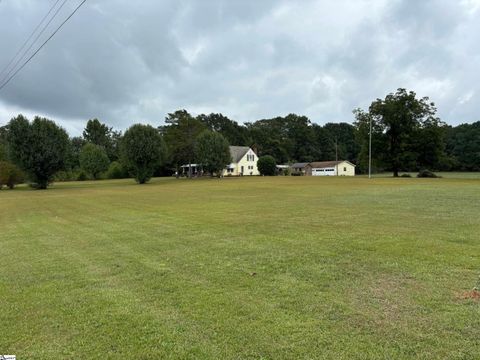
(213, 152)
(116, 171)
(267, 165)
(426, 174)
(231, 130)
(463, 146)
(3, 143)
(40, 148)
(94, 160)
(10, 175)
(82, 176)
(100, 134)
(75, 148)
(402, 118)
(180, 135)
(142, 151)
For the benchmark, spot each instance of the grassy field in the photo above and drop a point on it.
(251, 268)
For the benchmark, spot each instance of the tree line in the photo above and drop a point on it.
(406, 136)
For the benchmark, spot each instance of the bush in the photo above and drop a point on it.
(426, 174)
(267, 165)
(82, 176)
(116, 171)
(69, 175)
(10, 175)
(94, 160)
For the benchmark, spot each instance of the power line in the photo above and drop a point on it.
(28, 39)
(41, 46)
(33, 43)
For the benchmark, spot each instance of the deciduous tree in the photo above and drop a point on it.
(213, 152)
(94, 160)
(267, 165)
(142, 151)
(40, 148)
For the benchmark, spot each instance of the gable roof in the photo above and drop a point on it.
(238, 152)
(327, 164)
(299, 165)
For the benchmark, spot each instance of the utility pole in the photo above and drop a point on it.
(370, 151)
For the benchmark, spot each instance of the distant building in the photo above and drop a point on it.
(244, 162)
(299, 167)
(330, 168)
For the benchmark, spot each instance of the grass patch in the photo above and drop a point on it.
(260, 268)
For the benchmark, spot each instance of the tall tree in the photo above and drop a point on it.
(463, 146)
(231, 130)
(180, 134)
(39, 148)
(362, 139)
(100, 134)
(3, 143)
(213, 152)
(401, 115)
(142, 151)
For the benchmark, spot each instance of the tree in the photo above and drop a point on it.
(100, 134)
(463, 146)
(142, 151)
(180, 135)
(362, 139)
(213, 152)
(39, 148)
(231, 130)
(3, 143)
(10, 175)
(267, 165)
(94, 160)
(401, 115)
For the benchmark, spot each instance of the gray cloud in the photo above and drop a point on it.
(125, 63)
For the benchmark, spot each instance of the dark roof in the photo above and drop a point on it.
(299, 165)
(238, 152)
(327, 164)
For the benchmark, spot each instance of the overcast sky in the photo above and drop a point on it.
(134, 61)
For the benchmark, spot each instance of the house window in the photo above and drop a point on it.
(344, 169)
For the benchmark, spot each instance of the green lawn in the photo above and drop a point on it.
(251, 268)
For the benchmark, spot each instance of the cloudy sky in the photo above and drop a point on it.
(129, 61)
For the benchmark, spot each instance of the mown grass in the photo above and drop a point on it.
(251, 268)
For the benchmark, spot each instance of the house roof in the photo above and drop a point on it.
(299, 165)
(327, 164)
(238, 152)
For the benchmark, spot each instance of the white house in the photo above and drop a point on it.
(330, 168)
(244, 162)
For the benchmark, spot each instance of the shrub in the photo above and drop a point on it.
(94, 160)
(267, 165)
(82, 176)
(10, 175)
(116, 171)
(426, 174)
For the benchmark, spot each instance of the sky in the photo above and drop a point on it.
(127, 62)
